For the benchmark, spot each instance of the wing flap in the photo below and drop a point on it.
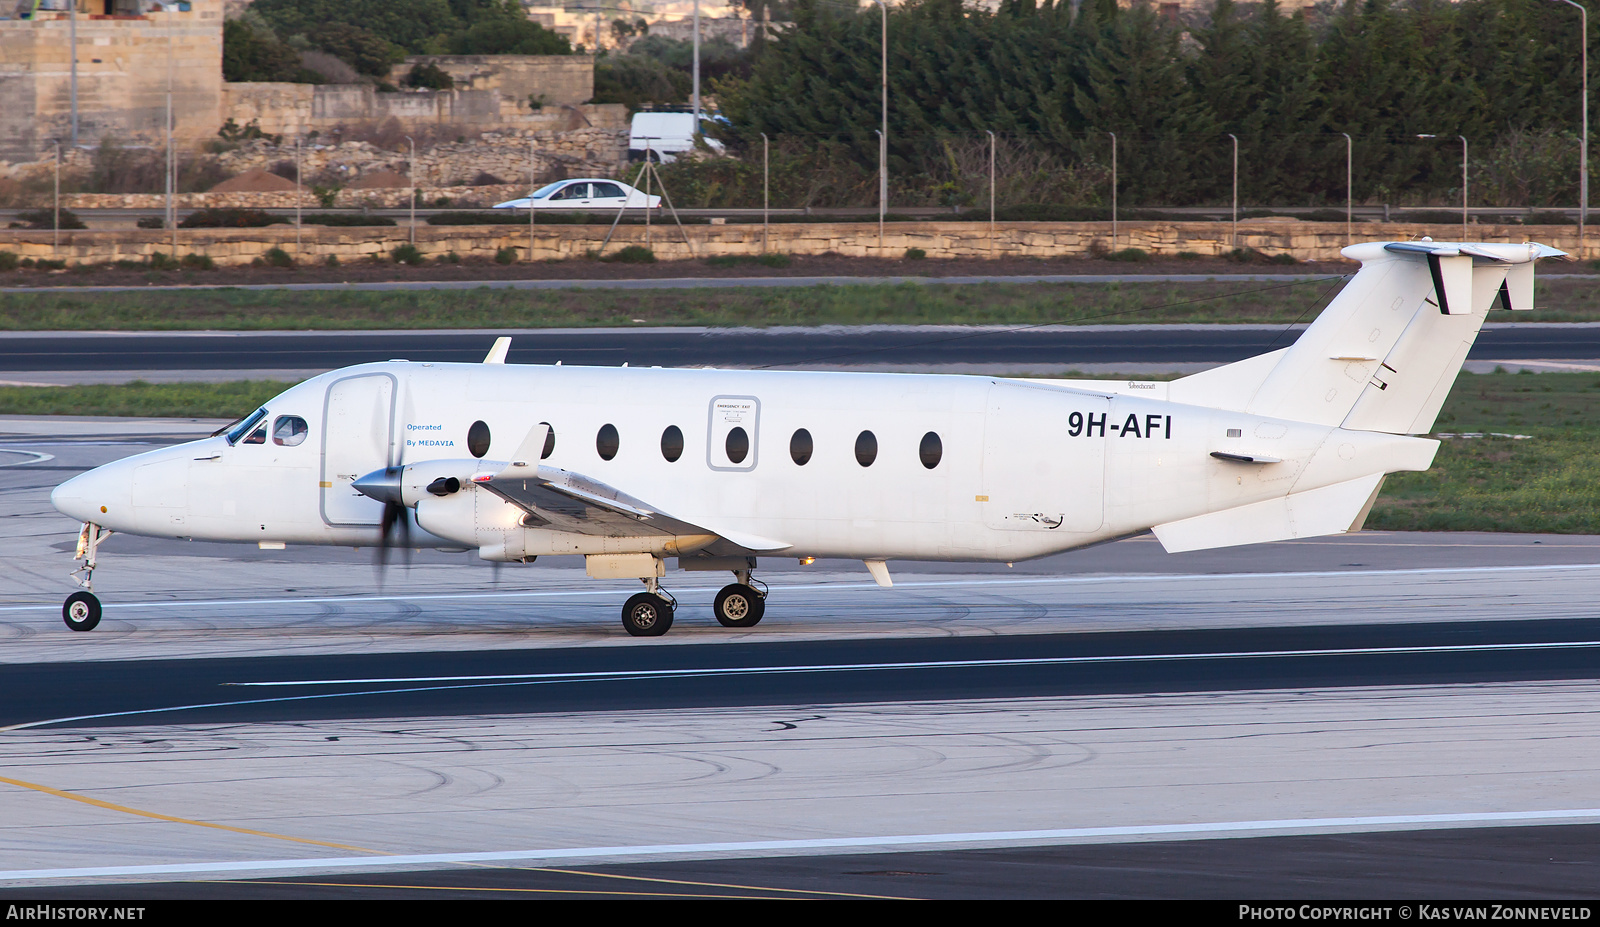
(566, 501)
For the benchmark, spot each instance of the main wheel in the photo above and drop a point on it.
(647, 615)
(739, 606)
(81, 611)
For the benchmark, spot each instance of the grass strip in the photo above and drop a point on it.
(907, 303)
(1548, 481)
(142, 400)
(1236, 301)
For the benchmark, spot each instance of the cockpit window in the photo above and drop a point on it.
(259, 436)
(245, 424)
(289, 431)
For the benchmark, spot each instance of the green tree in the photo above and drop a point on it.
(506, 36)
(251, 52)
(366, 52)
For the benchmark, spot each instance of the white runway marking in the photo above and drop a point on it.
(933, 664)
(446, 683)
(785, 847)
(865, 584)
(33, 457)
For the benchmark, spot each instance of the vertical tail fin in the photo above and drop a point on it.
(1384, 353)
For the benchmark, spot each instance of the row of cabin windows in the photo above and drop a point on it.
(737, 445)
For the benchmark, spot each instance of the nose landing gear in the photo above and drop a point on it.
(81, 611)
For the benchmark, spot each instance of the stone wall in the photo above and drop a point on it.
(555, 80)
(123, 71)
(381, 198)
(1304, 240)
(300, 109)
(449, 170)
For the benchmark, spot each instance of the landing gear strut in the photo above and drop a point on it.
(649, 614)
(81, 611)
(741, 604)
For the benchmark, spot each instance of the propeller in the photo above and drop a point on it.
(394, 528)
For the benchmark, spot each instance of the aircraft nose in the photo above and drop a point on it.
(100, 496)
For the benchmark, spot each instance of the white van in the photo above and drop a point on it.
(664, 135)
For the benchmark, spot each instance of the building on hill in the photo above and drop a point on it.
(129, 53)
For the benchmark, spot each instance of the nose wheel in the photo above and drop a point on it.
(739, 605)
(81, 611)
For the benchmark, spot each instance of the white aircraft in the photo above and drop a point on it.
(632, 466)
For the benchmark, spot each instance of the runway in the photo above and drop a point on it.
(1394, 715)
(56, 357)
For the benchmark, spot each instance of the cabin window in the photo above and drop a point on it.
(607, 441)
(866, 448)
(478, 439)
(800, 447)
(289, 431)
(672, 443)
(549, 441)
(931, 450)
(738, 445)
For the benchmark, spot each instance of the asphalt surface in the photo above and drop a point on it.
(1479, 863)
(305, 688)
(1374, 683)
(22, 353)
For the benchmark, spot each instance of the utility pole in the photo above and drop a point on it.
(696, 67)
(1235, 188)
(766, 189)
(56, 245)
(73, 29)
(172, 171)
(883, 134)
(991, 193)
(1583, 143)
(1349, 196)
(412, 165)
(299, 191)
(533, 173)
(1113, 190)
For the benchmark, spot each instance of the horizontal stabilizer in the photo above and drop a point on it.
(1334, 509)
(1383, 354)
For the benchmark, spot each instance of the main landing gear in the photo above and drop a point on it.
(738, 605)
(81, 611)
(741, 604)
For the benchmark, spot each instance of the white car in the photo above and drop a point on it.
(585, 193)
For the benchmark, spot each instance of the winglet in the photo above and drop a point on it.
(525, 462)
(497, 354)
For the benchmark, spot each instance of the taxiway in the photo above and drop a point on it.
(461, 730)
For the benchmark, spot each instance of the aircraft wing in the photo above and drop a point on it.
(567, 501)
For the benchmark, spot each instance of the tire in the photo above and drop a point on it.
(739, 606)
(81, 611)
(647, 615)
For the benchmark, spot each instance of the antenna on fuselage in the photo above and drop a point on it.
(497, 354)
